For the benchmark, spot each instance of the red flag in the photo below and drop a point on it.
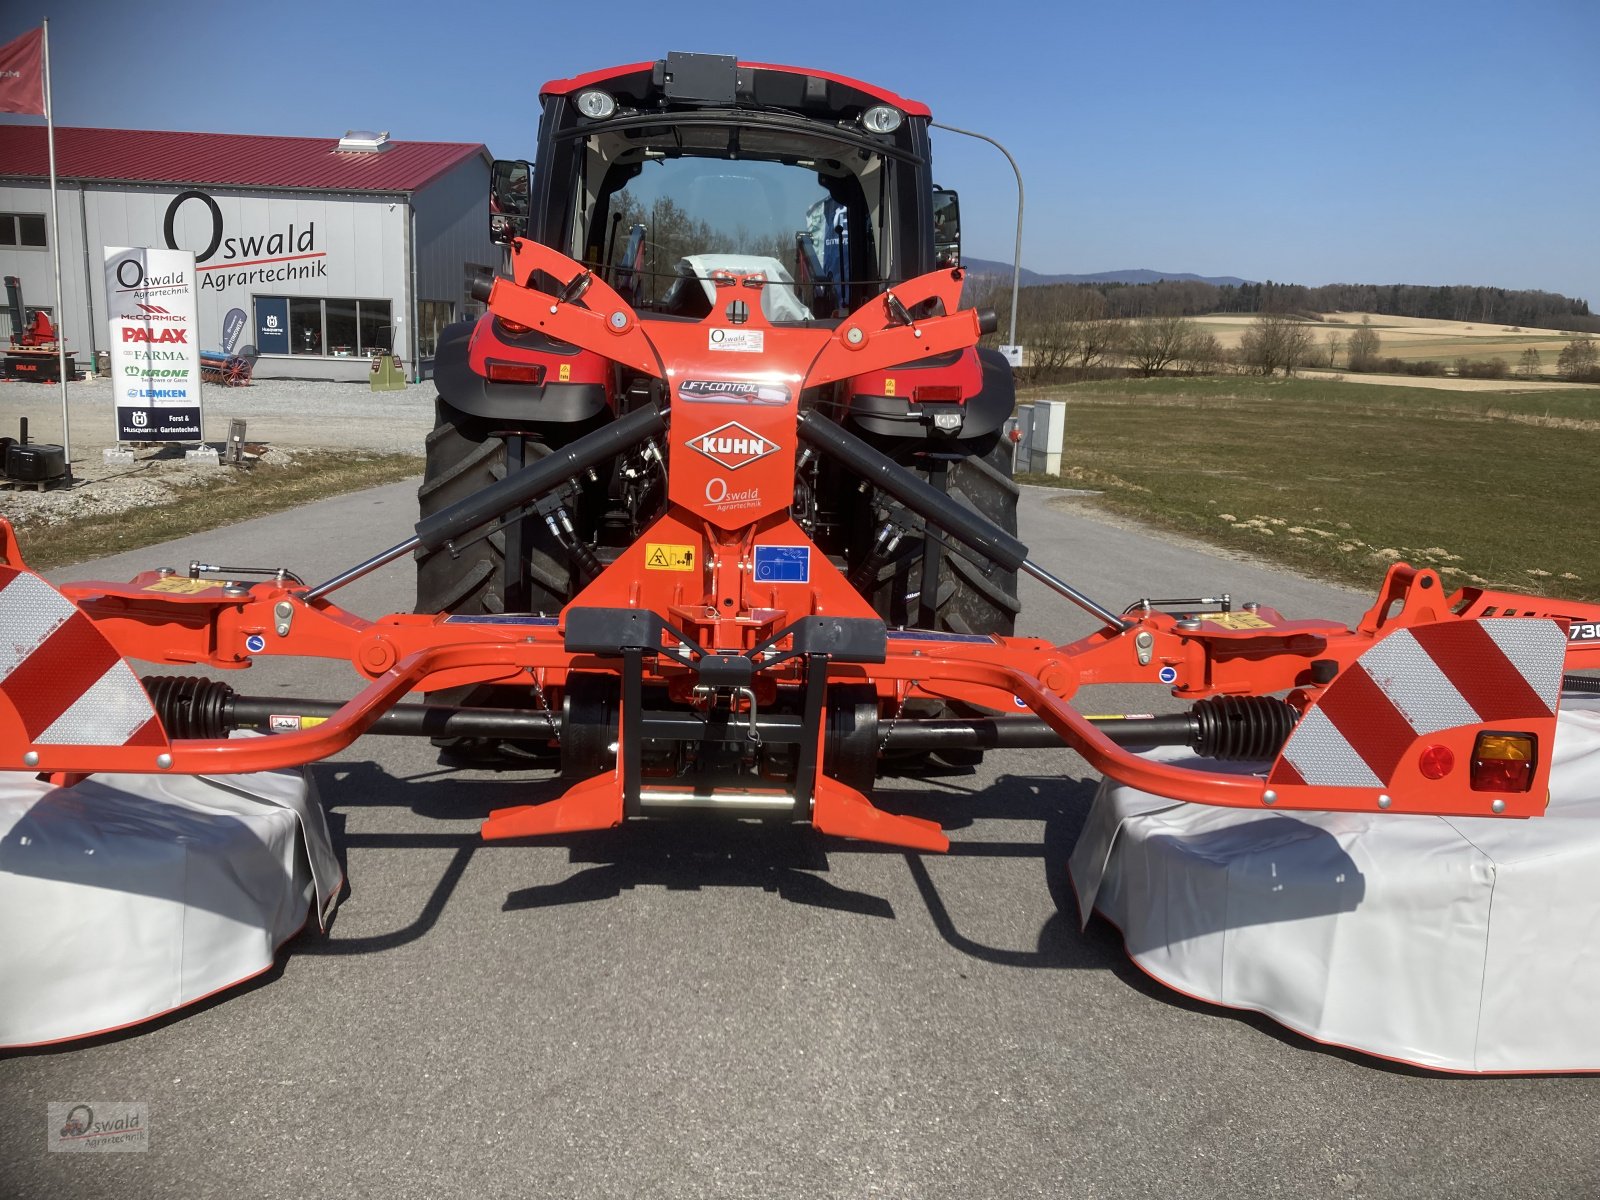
(22, 74)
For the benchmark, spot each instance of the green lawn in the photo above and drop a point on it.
(1339, 479)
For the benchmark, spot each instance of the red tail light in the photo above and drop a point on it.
(1504, 762)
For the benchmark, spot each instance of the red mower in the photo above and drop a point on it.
(718, 518)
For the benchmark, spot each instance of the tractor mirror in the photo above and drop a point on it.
(946, 228)
(508, 199)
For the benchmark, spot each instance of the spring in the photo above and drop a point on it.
(190, 706)
(1241, 728)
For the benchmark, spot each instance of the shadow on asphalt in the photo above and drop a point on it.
(783, 859)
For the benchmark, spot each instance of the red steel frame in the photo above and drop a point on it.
(716, 600)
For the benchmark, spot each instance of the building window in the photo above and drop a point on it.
(432, 317)
(333, 327)
(22, 229)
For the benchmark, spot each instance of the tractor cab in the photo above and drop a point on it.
(649, 172)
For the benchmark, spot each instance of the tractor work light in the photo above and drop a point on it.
(1503, 762)
(881, 118)
(597, 105)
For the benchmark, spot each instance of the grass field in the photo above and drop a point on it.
(225, 498)
(1339, 480)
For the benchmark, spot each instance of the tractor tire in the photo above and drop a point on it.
(465, 455)
(969, 601)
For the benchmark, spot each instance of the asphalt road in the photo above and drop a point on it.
(715, 1011)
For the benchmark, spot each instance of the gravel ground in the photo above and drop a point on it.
(285, 415)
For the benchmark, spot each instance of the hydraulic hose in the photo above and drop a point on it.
(535, 480)
(882, 472)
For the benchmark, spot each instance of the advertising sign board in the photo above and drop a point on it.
(155, 350)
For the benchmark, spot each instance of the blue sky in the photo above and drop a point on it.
(1360, 142)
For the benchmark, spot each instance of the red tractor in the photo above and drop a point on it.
(718, 516)
(671, 182)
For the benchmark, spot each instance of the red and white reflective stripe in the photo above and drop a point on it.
(1419, 681)
(67, 683)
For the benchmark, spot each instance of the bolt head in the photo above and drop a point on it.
(164, 761)
(854, 336)
(619, 320)
(31, 759)
(1499, 806)
(1385, 801)
(1269, 797)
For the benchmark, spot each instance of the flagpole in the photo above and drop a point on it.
(55, 245)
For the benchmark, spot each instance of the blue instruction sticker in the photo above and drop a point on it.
(255, 643)
(783, 564)
(1168, 674)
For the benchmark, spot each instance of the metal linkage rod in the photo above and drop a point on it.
(1061, 587)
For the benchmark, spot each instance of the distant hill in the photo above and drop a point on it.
(987, 266)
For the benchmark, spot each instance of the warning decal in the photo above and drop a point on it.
(666, 556)
(184, 587)
(1234, 620)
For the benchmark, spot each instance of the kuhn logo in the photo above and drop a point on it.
(733, 391)
(733, 446)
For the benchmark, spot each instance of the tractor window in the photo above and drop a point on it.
(664, 209)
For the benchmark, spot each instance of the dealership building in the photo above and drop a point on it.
(311, 253)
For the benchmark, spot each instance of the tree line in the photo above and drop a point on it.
(1077, 332)
(1193, 297)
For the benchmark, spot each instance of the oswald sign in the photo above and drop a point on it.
(264, 256)
(155, 350)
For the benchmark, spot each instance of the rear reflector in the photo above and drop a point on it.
(938, 393)
(1436, 762)
(500, 372)
(1503, 762)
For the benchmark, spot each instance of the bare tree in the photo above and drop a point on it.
(1579, 360)
(1364, 346)
(1203, 354)
(1531, 364)
(1331, 348)
(1155, 343)
(1275, 340)
(1066, 328)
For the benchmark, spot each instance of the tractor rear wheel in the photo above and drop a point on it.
(968, 601)
(464, 455)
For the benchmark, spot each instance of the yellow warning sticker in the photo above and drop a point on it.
(888, 387)
(666, 556)
(1235, 620)
(566, 373)
(183, 587)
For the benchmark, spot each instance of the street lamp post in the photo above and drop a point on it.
(1016, 254)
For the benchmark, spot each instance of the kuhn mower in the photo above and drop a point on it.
(722, 536)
